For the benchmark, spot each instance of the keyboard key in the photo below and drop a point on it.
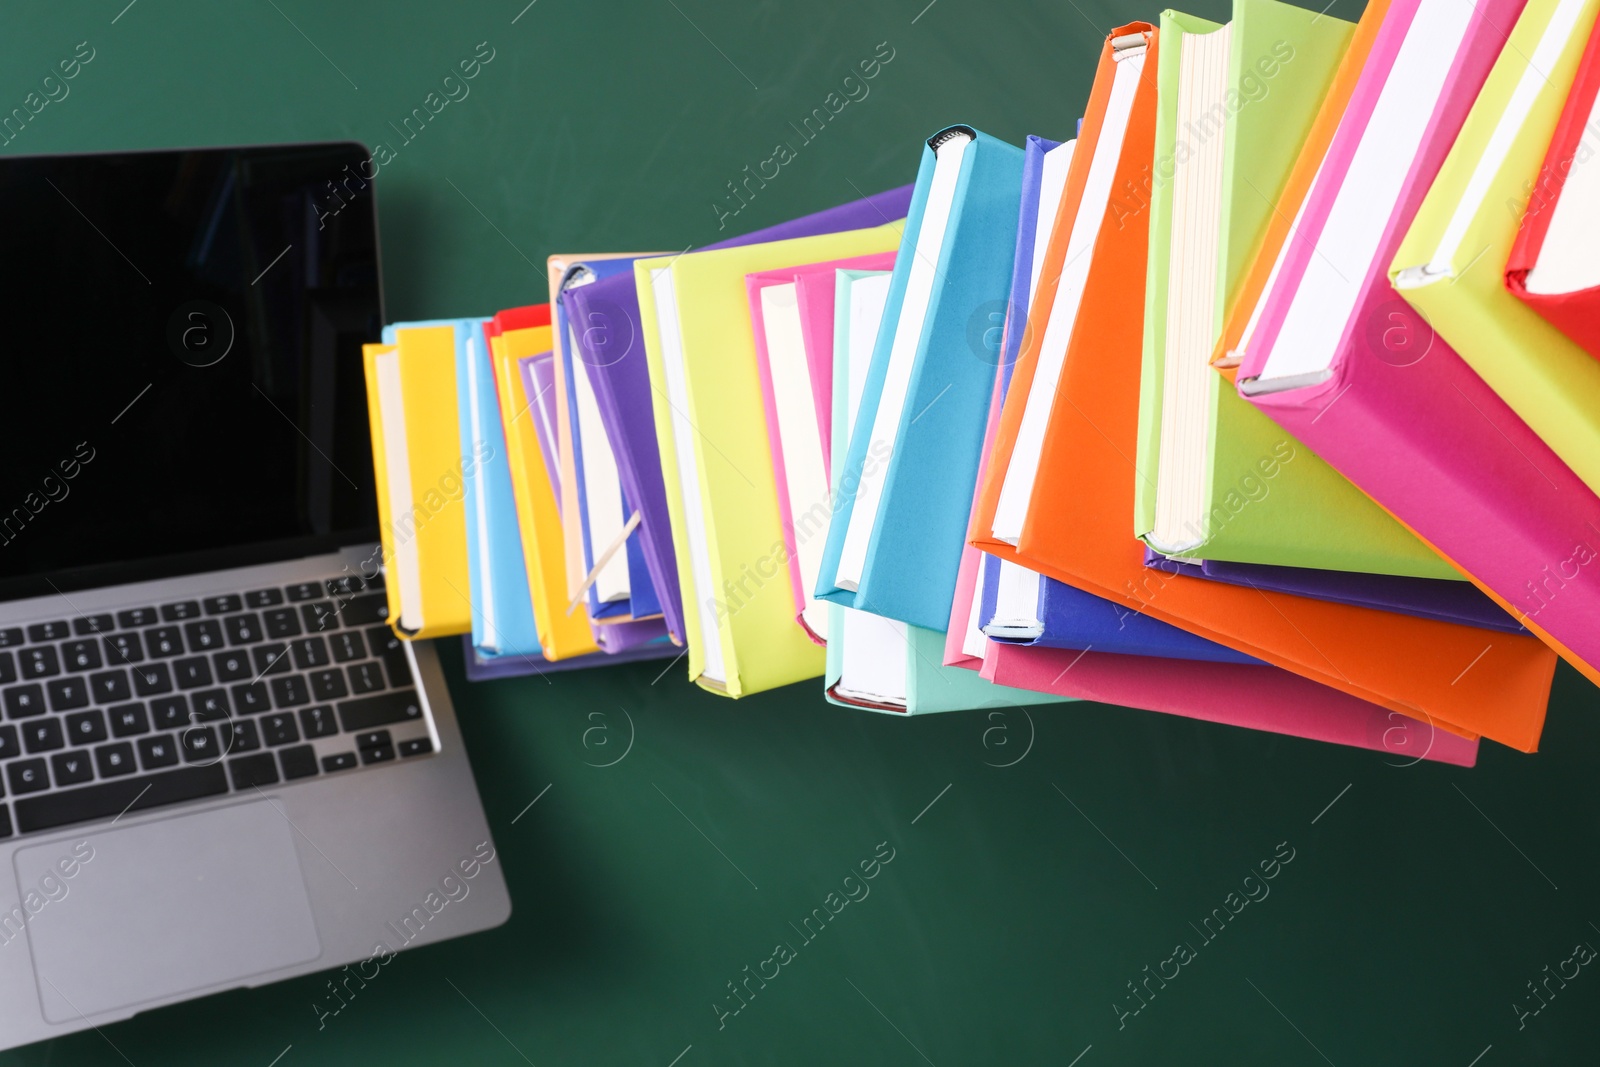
(373, 738)
(281, 622)
(290, 692)
(347, 646)
(304, 591)
(170, 713)
(109, 799)
(49, 631)
(8, 668)
(417, 746)
(72, 768)
(39, 662)
(210, 705)
(342, 761)
(365, 677)
(27, 776)
(315, 722)
(263, 598)
(123, 648)
(114, 760)
(110, 686)
(298, 762)
(85, 625)
(329, 684)
(239, 735)
(367, 712)
(152, 678)
(250, 772)
(271, 658)
(86, 727)
(365, 610)
(223, 605)
(181, 611)
(43, 735)
(81, 655)
(157, 752)
(24, 700)
(378, 754)
(279, 728)
(191, 672)
(309, 652)
(136, 617)
(68, 694)
(344, 585)
(5, 821)
(374, 581)
(232, 666)
(320, 616)
(205, 635)
(199, 745)
(164, 641)
(243, 629)
(128, 720)
(251, 698)
(11, 747)
(10, 637)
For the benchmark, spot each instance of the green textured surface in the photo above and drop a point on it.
(1008, 923)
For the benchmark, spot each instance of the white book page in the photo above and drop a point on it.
(684, 443)
(1016, 603)
(1191, 326)
(875, 659)
(1325, 298)
(602, 486)
(803, 469)
(1568, 261)
(476, 366)
(1016, 489)
(405, 567)
(902, 357)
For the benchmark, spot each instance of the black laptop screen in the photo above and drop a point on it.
(180, 361)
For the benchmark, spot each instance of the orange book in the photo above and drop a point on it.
(1467, 680)
(1242, 304)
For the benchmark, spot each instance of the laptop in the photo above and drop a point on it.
(218, 765)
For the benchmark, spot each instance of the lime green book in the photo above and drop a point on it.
(1450, 265)
(1218, 479)
(722, 497)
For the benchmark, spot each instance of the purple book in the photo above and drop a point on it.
(539, 382)
(1426, 598)
(603, 309)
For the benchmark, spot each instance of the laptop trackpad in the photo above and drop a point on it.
(167, 907)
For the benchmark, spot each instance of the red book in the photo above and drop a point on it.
(1555, 264)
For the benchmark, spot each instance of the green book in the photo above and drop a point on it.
(1219, 480)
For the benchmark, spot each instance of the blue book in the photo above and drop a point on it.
(905, 491)
(624, 590)
(502, 607)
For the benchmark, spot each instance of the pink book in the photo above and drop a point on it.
(814, 293)
(1337, 358)
(797, 409)
(1237, 694)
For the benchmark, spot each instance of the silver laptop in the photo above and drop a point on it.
(218, 766)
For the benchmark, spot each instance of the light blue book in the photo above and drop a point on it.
(872, 662)
(502, 607)
(905, 490)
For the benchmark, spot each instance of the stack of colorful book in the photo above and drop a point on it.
(1272, 398)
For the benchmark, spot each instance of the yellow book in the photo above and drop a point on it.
(1450, 266)
(722, 500)
(561, 635)
(416, 451)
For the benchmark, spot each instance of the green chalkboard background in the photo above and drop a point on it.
(1021, 903)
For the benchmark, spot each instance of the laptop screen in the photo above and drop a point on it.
(181, 382)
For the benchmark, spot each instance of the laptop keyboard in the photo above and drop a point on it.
(105, 714)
